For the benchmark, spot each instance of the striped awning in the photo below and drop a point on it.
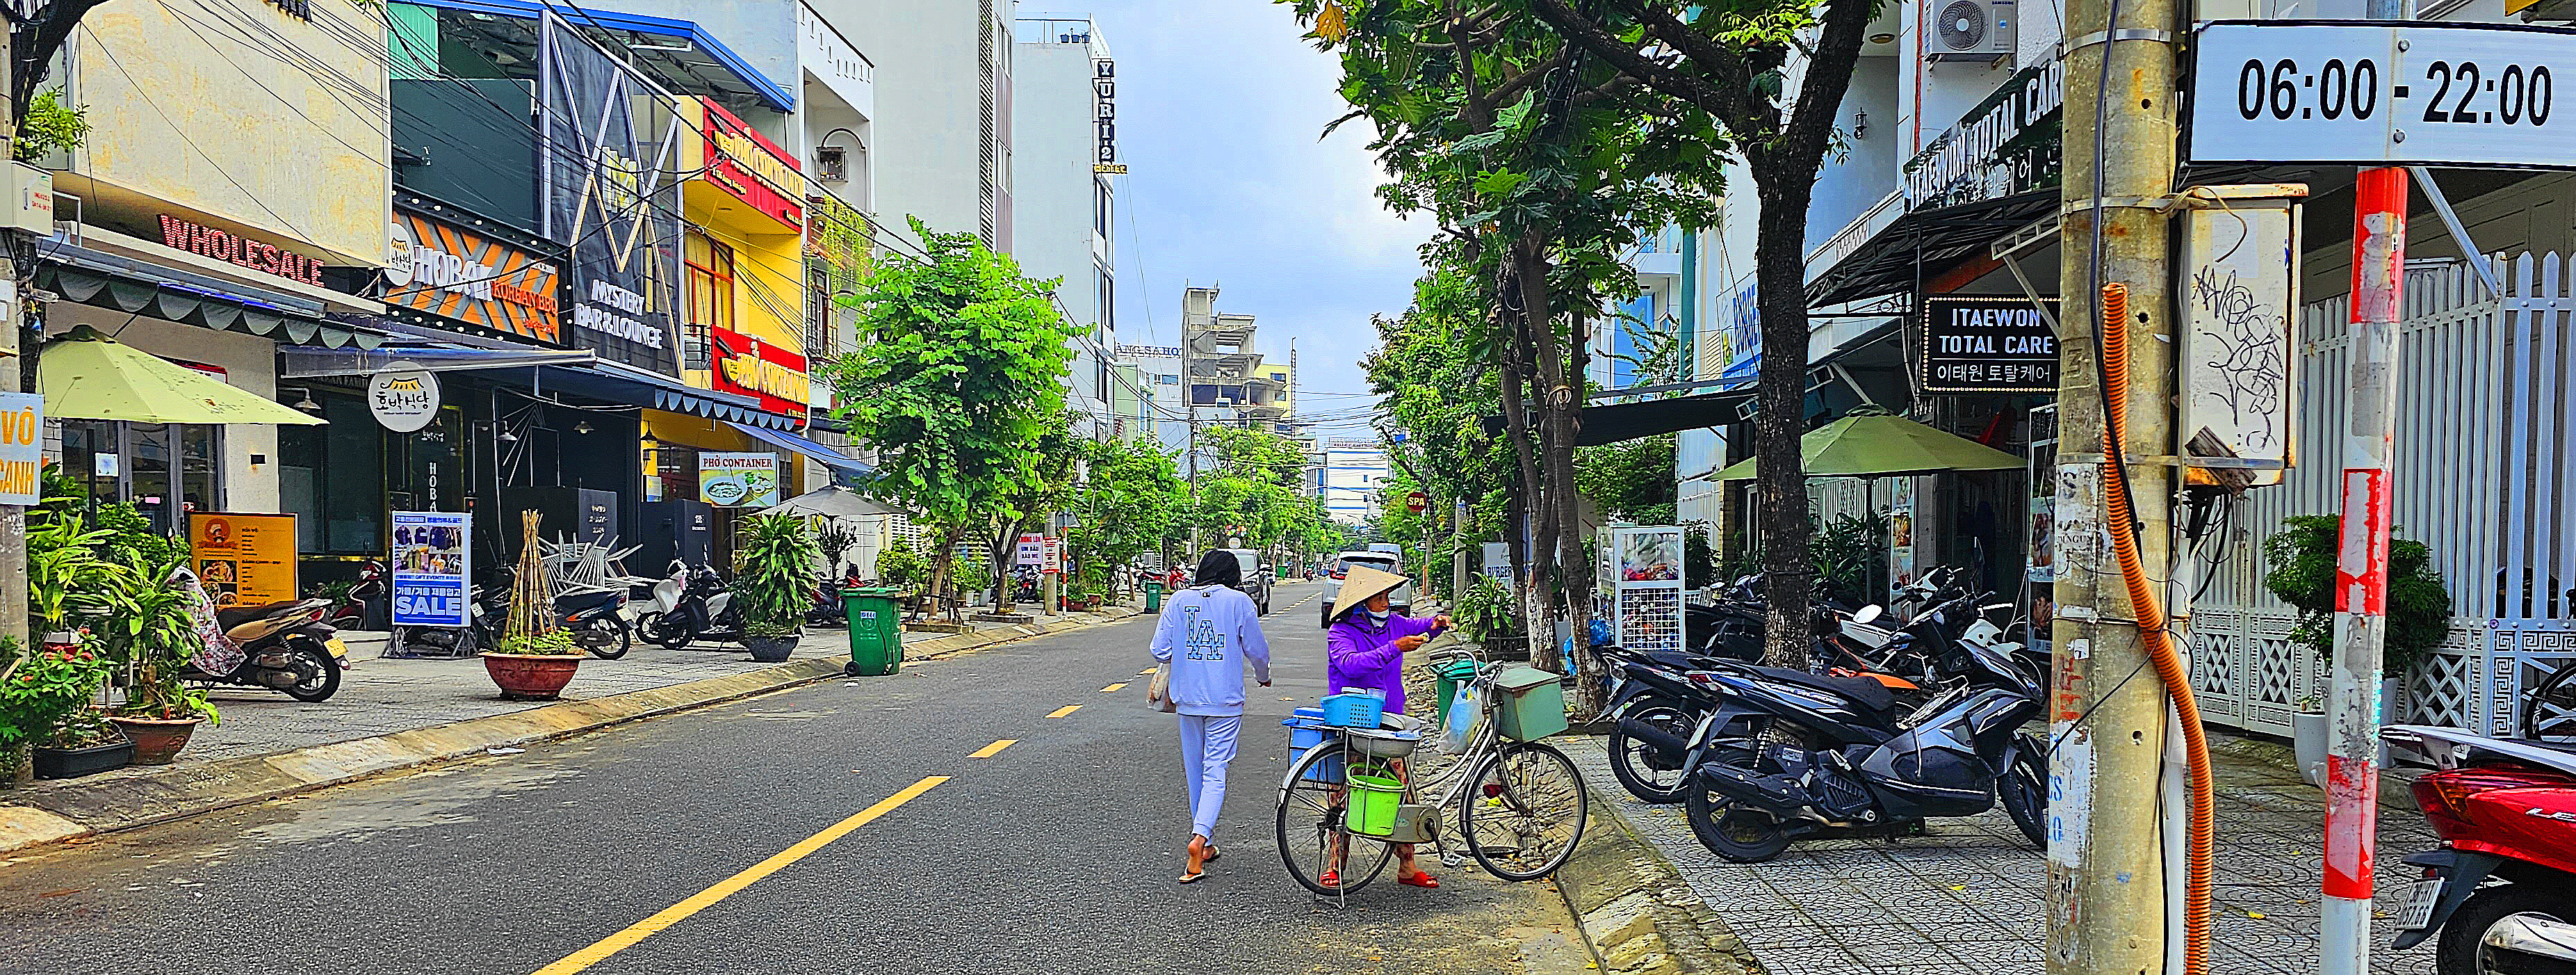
(125, 284)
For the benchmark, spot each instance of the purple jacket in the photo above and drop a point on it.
(1364, 656)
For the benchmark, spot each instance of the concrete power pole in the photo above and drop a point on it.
(13, 518)
(2106, 873)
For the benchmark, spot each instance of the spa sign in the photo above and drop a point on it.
(1985, 345)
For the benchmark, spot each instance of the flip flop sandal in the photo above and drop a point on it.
(1331, 878)
(1192, 878)
(1419, 879)
(1211, 854)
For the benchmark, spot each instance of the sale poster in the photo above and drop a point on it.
(431, 564)
(738, 480)
(244, 559)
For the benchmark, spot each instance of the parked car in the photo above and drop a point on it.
(1256, 581)
(1401, 600)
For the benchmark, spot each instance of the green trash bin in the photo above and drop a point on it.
(1451, 675)
(876, 630)
(1154, 596)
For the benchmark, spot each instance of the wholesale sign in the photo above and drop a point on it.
(430, 568)
(738, 480)
(231, 248)
(1985, 345)
(445, 270)
(244, 559)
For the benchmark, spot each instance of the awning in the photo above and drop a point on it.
(125, 284)
(615, 382)
(306, 362)
(1923, 244)
(1615, 422)
(679, 53)
(784, 440)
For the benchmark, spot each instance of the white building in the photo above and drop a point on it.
(1063, 148)
(1353, 475)
(942, 97)
(1158, 406)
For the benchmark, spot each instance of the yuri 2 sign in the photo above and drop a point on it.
(2382, 94)
(1985, 345)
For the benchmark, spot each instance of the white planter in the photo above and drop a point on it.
(2308, 733)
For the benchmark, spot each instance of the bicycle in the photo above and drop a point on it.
(1511, 800)
(2549, 714)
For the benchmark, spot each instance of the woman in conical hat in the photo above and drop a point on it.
(1366, 645)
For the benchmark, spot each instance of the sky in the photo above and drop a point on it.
(1220, 103)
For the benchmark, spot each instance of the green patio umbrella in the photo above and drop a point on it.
(88, 376)
(1877, 444)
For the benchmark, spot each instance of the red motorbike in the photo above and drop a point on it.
(2501, 891)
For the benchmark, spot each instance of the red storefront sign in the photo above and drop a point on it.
(205, 241)
(751, 367)
(752, 168)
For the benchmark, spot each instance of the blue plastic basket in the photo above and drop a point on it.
(1352, 710)
(1305, 731)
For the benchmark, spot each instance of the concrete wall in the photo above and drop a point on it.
(183, 113)
(1052, 186)
(928, 108)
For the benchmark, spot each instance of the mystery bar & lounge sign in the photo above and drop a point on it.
(1985, 345)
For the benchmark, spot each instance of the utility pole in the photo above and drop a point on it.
(2107, 712)
(13, 518)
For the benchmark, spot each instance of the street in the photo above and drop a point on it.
(880, 844)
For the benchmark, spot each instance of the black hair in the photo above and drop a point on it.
(1220, 568)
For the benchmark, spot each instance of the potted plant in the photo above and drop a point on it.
(2303, 575)
(84, 742)
(38, 691)
(535, 658)
(773, 572)
(148, 627)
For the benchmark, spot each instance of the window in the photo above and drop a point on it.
(1278, 377)
(710, 295)
(818, 311)
(1102, 207)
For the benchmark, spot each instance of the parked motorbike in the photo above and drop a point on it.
(1833, 754)
(691, 604)
(285, 647)
(2501, 891)
(349, 611)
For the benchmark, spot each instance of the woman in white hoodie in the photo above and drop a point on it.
(1206, 633)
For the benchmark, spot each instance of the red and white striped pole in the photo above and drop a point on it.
(2361, 567)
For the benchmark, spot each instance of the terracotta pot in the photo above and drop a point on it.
(156, 741)
(530, 677)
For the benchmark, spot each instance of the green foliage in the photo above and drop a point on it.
(835, 541)
(1699, 556)
(1487, 611)
(1631, 480)
(1849, 554)
(2303, 575)
(40, 689)
(958, 376)
(1131, 505)
(1254, 490)
(556, 642)
(901, 567)
(140, 615)
(62, 563)
(50, 126)
(775, 559)
(132, 538)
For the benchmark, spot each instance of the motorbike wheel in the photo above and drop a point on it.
(1736, 834)
(2024, 790)
(605, 637)
(661, 629)
(1649, 773)
(2467, 928)
(321, 674)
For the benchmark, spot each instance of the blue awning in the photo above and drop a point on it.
(698, 64)
(829, 457)
(616, 382)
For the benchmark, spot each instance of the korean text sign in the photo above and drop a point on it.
(431, 563)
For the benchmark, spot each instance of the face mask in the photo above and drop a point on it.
(1374, 616)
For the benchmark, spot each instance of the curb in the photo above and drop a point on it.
(1636, 913)
(2396, 782)
(43, 814)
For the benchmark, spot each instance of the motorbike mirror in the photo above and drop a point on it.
(1866, 614)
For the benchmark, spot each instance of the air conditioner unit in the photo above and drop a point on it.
(1972, 29)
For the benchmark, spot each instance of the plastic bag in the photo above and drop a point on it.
(1466, 718)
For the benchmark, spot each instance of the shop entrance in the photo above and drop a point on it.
(167, 470)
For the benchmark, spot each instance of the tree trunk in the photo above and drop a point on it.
(1527, 567)
(943, 560)
(1538, 336)
(1005, 548)
(1781, 388)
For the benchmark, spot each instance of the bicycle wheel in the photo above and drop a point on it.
(1312, 801)
(1523, 811)
(2550, 713)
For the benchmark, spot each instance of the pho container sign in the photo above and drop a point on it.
(738, 480)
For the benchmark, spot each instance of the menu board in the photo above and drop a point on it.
(430, 558)
(244, 559)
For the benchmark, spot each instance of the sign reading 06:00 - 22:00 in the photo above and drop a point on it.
(2382, 93)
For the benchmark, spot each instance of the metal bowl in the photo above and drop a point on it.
(1382, 742)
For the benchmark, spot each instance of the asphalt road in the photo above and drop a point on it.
(875, 843)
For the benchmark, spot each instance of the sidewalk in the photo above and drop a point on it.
(1968, 898)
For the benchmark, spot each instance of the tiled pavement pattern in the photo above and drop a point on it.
(1966, 899)
(382, 696)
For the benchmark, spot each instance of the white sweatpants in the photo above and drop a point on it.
(1207, 747)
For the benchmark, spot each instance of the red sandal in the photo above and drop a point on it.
(1419, 879)
(1331, 878)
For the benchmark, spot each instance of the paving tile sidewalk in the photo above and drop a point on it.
(387, 695)
(1967, 899)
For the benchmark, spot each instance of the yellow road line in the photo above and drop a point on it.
(1113, 688)
(995, 748)
(1065, 710)
(663, 919)
(1147, 672)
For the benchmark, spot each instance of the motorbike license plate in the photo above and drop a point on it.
(338, 649)
(2419, 905)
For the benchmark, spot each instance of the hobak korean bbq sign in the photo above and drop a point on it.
(458, 274)
(1986, 345)
(755, 368)
(753, 169)
(205, 241)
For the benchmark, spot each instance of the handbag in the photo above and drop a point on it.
(1159, 691)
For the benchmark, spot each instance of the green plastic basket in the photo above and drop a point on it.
(1373, 804)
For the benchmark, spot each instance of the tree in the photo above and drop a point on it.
(1773, 72)
(960, 377)
(1631, 480)
(1541, 166)
(1132, 501)
(1058, 456)
(1436, 383)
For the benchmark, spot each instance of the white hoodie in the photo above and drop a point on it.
(1215, 628)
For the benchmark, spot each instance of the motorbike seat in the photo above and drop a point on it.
(232, 616)
(1863, 691)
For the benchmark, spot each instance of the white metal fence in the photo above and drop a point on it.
(2486, 456)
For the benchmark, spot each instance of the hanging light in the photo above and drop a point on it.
(581, 427)
(507, 435)
(307, 404)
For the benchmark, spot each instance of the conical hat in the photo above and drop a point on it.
(1360, 585)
